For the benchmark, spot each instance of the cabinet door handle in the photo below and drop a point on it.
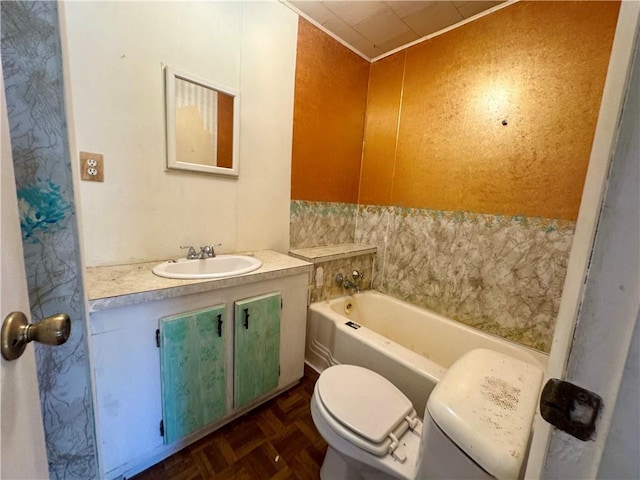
(220, 322)
(246, 318)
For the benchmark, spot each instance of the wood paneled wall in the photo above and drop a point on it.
(539, 67)
(434, 135)
(328, 118)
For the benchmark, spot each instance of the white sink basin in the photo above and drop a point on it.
(220, 266)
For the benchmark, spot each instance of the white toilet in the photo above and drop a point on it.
(477, 423)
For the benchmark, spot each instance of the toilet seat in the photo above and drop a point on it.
(365, 409)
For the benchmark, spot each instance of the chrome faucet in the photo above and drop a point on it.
(348, 284)
(205, 252)
(208, 250)
(191, 254)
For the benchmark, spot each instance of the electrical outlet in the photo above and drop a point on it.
(91, 167)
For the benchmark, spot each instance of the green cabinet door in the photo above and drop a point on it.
(256, 347)
(192, 369)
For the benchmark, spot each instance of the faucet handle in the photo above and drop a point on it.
(212, 252)
(191, 254)
(357, 276)
(209, 250)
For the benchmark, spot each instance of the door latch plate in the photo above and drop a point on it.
(570, 408)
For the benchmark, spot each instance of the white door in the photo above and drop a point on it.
(599, 312)
(22, 448)
(603, 358)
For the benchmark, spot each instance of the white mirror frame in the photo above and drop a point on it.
(172, 161)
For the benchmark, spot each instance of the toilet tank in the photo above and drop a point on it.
(479, 417)
(441, 459)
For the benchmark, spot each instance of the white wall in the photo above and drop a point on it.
(114, 53)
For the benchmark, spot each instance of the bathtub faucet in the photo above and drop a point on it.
(348, 284)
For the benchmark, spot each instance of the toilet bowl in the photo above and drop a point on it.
(477, 423)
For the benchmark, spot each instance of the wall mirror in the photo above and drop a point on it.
(202, 125)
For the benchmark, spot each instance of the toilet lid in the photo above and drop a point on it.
(485, 403)
(363, 401)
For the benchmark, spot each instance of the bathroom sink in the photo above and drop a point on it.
(220, 266)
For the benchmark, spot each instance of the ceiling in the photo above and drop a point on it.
(374, 28)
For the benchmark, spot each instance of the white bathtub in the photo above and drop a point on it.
(410, 346)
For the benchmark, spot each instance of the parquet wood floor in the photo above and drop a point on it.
(277, 440)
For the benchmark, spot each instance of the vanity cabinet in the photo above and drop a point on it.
(256, 357)
(206, 372)
(192, 371)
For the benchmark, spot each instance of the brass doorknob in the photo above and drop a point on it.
(17, 332)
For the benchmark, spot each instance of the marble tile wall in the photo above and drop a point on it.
(330, 289)
(314, 224)
(32, 69)
(501, 274)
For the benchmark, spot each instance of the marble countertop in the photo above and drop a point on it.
(120, 285)
(331, 252)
